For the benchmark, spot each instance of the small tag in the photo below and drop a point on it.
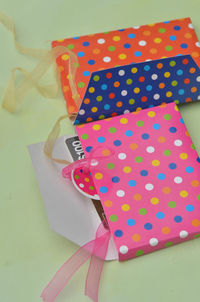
(75, 148)
(76, 151)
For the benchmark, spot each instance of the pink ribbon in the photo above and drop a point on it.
(97, 250)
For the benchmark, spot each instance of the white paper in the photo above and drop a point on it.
(70, 214)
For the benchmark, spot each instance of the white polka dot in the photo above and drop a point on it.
(123, 249)
(197, 44)
(121, 72)
(153, 241)
(94, 162)
(156, 96)
(150, 149)
(106, 59)
(142, 43)
(178, 180)
(147, 60)
(101, 41)
(154, 76)
(149, 187)
(96, 196)
(82, 112)
(126, 111)
(178, 142)
(198, 98)
(121, 156)
(81, 185)
(124, 92)
(183, 234)
(198, 79)
(120, 193)
(136, 27)
(190, 25)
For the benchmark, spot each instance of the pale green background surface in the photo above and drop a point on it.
(30, 252)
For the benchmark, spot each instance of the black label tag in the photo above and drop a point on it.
(75, 148)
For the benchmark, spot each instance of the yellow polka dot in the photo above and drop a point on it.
(96, 127)
(108, 203)
(151, 113)
(152, 24)
(60, 40)
(65, 57)
(136, 237)
(138, 109)
(127, 169)
(123, 120)
(137, 196)
(94, 109)
(87, 179)
(134, 70)
(98, 175)
(176, 108)
(125, 207)
(168, 94)
(167, 74)
(136, 90)
(157, 40)
(155, 162)
(154, 200)
(122, 56)
(116, 38)
(184, 193)
(91, 89)
(183, 156)
(195, 183)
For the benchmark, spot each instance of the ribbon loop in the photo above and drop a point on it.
(97, 249)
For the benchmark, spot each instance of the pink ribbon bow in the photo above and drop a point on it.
(97, 250)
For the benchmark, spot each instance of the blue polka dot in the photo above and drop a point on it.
(88, 148)
(91, 62)
(179, 72)
(146, 67)
(156, 126)
(106, 106)
(181, 120)
(86, 73)
(80, 54)
(132, 183)
(101, 139)
(137, 53)
(86, 43)
(181, 91)
(148, 226)
(198, 160)
(127, 45)
(178, 219)
(177, 27)
(144, 173)
(131, 36)
(118, 233)
(131, 222)
(115, 179)
(184, 45)
(103, 189)
(189, 169)
(189, 207)
(161, 176)
(172, 166)
(129, 133)
(160, 215)
(172, 129)
(104, 86)
(172, 38)
(145, 136)
(117, 142)
(148, 87)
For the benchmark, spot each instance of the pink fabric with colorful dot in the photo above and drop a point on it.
(150, 187)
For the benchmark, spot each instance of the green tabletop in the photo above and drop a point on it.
(30, 252)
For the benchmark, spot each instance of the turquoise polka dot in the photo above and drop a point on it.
(103, 189)
(101, 139)
(189, 169)
(189, 207)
